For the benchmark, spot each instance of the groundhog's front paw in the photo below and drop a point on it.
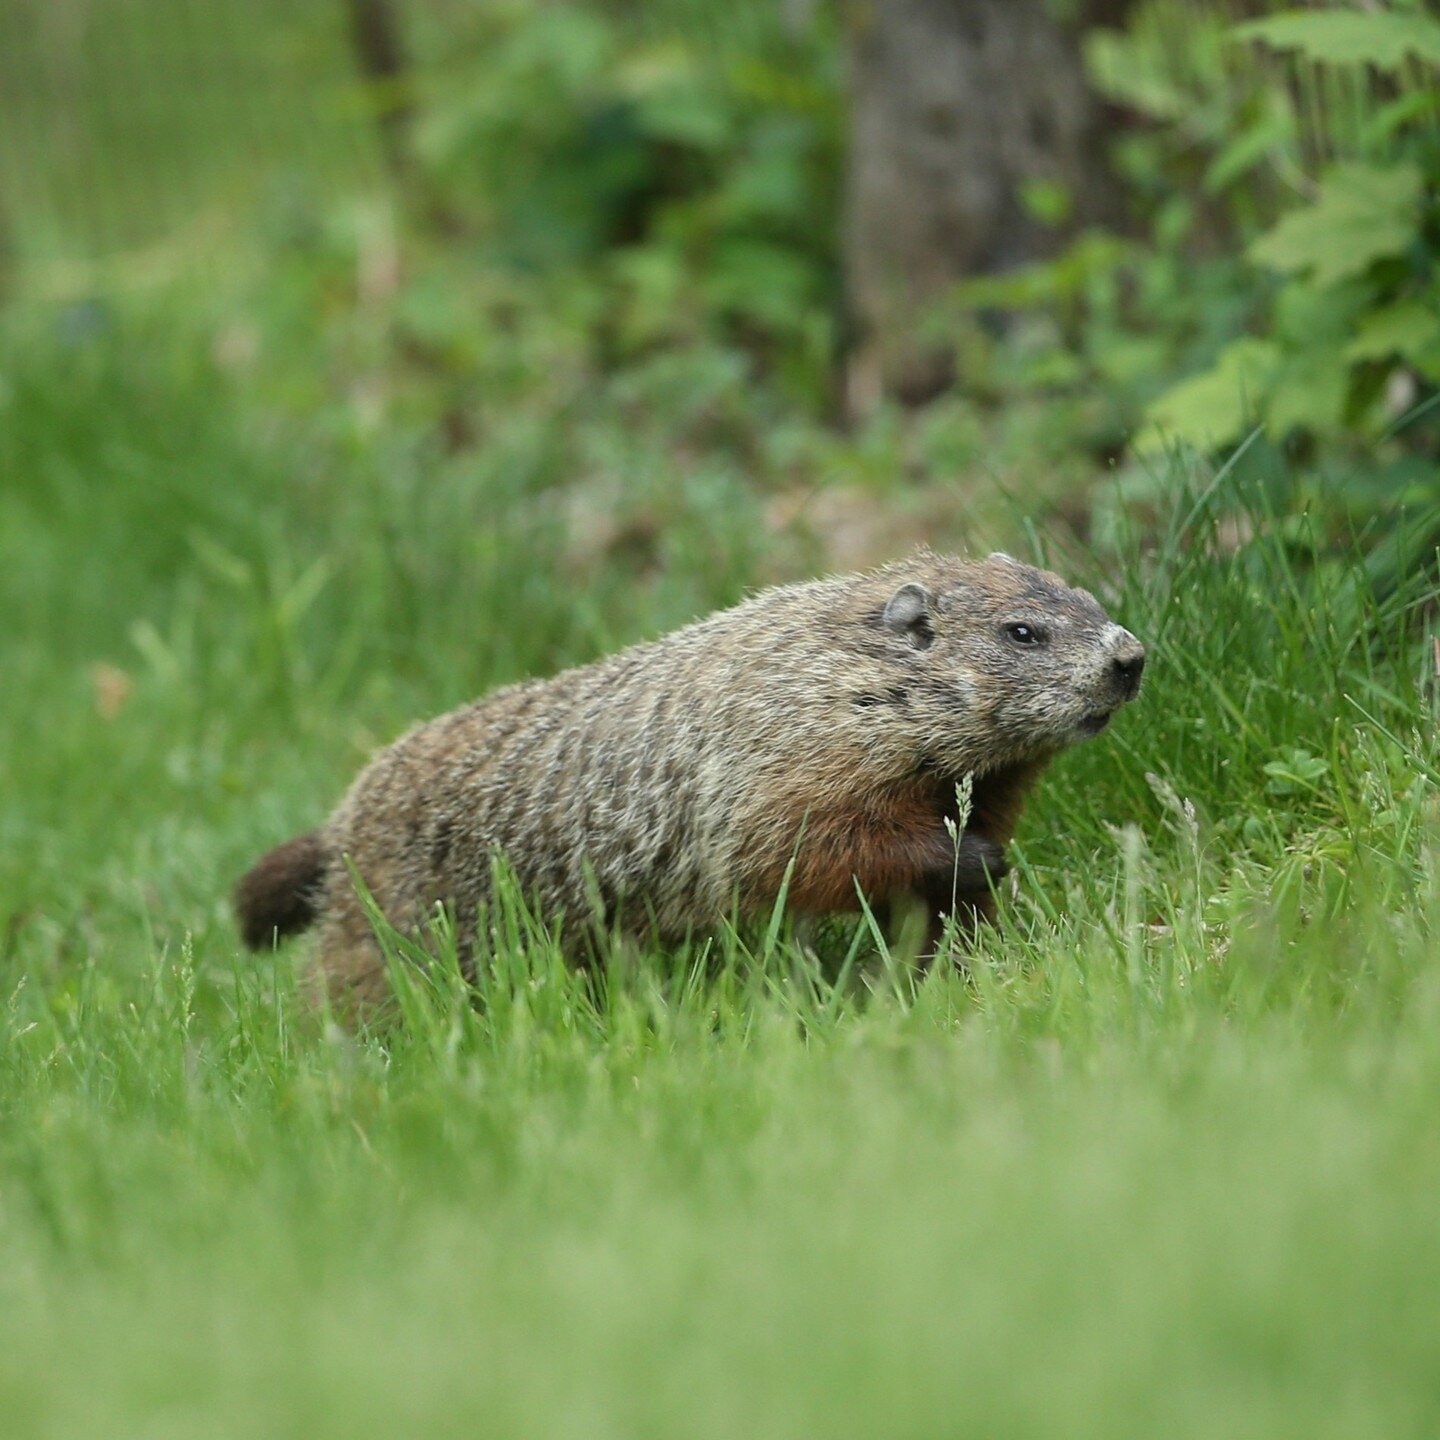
(969, 872)
(980, 863)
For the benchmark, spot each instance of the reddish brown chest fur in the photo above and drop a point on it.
(894, 842)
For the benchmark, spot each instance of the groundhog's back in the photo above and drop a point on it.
(682, 770)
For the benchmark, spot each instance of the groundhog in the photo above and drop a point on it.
(811, 738)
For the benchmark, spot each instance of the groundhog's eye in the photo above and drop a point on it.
(1025, 634)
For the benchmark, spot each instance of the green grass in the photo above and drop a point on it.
(1165, 1162)
(136, 133)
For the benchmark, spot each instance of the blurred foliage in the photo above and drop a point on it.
(681, 178)
(133, 125)
(611, 254)
(1354, 318)
(1281, 277)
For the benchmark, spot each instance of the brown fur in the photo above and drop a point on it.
(277, 896)
(824, 725)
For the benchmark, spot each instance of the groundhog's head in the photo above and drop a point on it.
(1008, 661)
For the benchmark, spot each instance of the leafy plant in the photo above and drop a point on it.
(1280, 282)
(691, 186)
(1110, 323)
(1350, 337)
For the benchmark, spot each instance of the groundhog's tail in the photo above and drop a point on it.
(279, 895)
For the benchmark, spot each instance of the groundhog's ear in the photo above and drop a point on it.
(910, 612)
(1003, 558)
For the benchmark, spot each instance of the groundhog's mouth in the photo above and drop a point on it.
(1095, 722)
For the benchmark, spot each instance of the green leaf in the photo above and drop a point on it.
(687, 115)
(1382, 38)
(1386, 120)
(1250, 144)
(1310, 316)
(1362, 214)
(765, 283)
(1127, 360)
(1117, 67)
(1044, 284)
(1215, 407)
(1407, 328)
(1047, 201)
(1309, 393)
(1296, 772)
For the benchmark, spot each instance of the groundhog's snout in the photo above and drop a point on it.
(1127, 664)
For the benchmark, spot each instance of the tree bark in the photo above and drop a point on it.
(955, 105)
(383, 65)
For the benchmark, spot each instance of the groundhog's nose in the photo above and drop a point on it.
(1127, 665)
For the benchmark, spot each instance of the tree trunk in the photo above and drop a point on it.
(955, 105)
(381, 60)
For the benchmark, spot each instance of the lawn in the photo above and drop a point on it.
(1164, 1160)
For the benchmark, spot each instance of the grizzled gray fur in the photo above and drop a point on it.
(670, 786)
